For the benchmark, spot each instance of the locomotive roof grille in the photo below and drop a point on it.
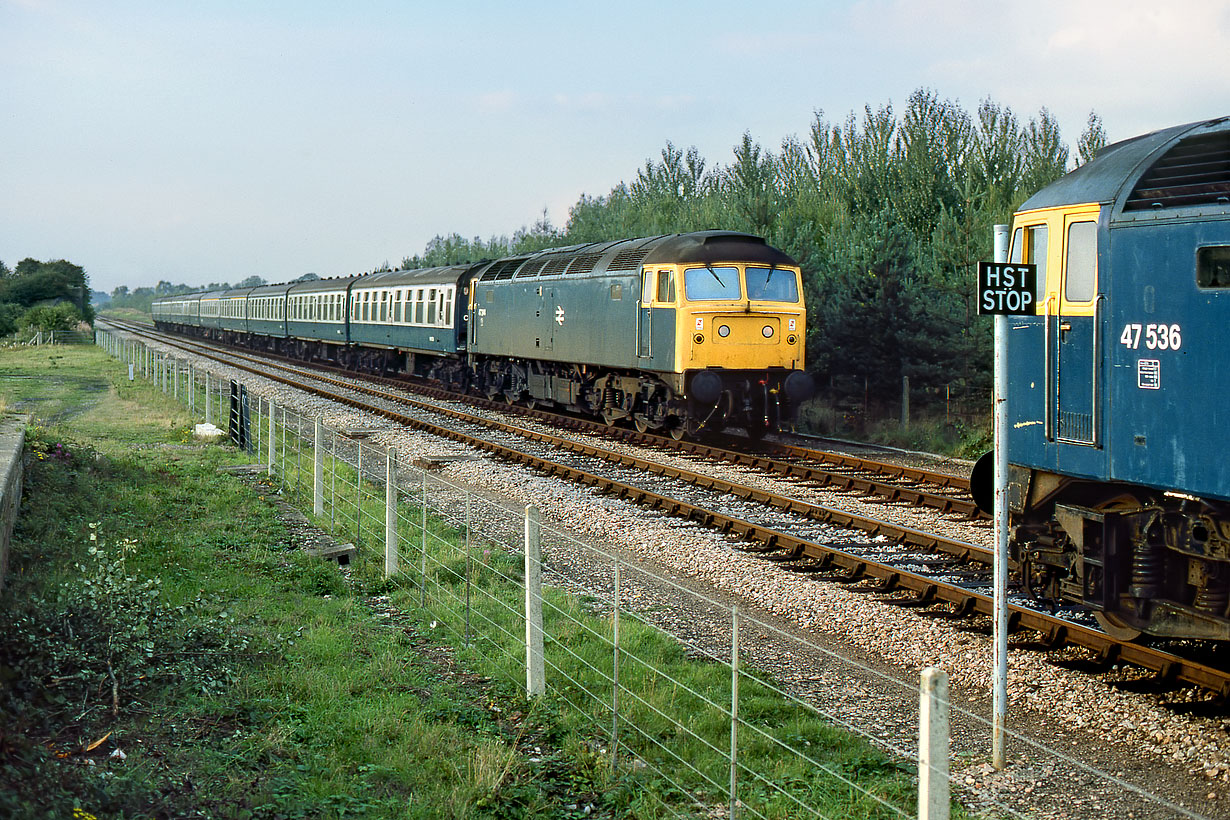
(556, 265)
(531, 268)
(585, 263)
(1196, 171)
(505, 269)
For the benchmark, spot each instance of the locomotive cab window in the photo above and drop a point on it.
(771, 284)
(712, 283)
(1081, 262)
(1029, 247)
(1213, 267)
(666, 286)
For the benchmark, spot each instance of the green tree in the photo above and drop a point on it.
(1093, 139)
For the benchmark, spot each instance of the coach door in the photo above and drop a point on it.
(1076, 337)
(644, 318)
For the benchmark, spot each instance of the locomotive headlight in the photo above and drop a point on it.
(724, 331)
(791, 339)
(699, 338)
(767, 331)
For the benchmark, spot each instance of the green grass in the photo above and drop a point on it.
(241, 679)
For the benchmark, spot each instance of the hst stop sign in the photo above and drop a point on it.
(1007, 289)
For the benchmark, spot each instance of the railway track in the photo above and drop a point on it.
(945, 572)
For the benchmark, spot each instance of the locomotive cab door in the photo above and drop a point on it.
(1073, 331)
(644, 317)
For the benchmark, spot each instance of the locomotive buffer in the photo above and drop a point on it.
(1003, 290)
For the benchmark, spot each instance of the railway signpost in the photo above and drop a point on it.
(1003, 290)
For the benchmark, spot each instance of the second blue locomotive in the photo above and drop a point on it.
(1119, 388)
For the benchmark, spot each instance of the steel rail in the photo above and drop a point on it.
(1056, 631)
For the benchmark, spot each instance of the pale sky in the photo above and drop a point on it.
(210, 141)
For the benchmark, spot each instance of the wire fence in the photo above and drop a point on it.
(696, 705)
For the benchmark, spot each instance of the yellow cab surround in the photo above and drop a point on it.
(719, 326)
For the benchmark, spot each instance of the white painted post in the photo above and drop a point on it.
(390, 513)
(933, 786)
(535, 668)
(1000, 584)
(318, 469)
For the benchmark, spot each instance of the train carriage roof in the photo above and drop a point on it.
(1179, 167)
(334, 285)
(418, 277)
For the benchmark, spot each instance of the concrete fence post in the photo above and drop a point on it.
(535, 668)
(390, 513)
(933, 745)
(318, 469)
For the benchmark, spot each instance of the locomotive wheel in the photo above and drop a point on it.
(678, 431)
(609, 418)
(640, 424)
(1116, 627)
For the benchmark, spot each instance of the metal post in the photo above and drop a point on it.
(933, 786)
(734, 711)
(423, 548)
(469, 497)
(535, 670)
(390, 513)
(905, 402)
(318, 469)
(175, 377)
(1000, 586)
(209, 401)
(358, 500)
(615, 671)
(332, 479)
(191, 391)
(272, 456)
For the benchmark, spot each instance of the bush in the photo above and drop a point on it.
(63, 316)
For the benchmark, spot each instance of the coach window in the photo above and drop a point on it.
(420, 308)
(431, 306)
(1081, 262)
(1213, 267)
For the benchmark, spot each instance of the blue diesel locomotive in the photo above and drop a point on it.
(679, 333)
(1119, 387)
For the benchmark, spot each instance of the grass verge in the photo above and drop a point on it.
(166, 650)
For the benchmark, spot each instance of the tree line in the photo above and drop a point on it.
(52, 295)
(888, 213)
